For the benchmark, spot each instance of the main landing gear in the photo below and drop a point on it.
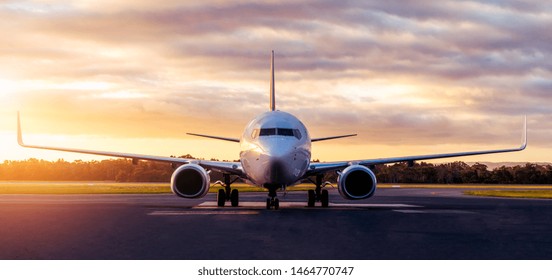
(227, 194)
(318, 194)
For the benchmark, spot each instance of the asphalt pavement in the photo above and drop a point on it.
(396, 223)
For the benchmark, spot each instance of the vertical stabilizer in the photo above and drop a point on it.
(272, 92)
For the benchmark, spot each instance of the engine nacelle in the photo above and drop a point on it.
(356, 182)
(190, 181)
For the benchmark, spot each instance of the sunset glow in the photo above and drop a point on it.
(409, 77)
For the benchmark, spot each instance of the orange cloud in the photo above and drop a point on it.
(405, 76)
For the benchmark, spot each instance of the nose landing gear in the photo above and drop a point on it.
(272, 201)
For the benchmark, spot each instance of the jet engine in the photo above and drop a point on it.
(190, 181)
(356, 182)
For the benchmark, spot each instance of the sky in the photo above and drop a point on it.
(410, 77)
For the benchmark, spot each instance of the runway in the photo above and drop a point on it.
(394, 224)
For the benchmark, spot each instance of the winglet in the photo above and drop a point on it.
(19, 136)
(272, 92)
(524, 134)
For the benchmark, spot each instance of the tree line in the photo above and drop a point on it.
(123, 170)
(461, 173)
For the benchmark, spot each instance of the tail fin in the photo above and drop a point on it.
(272, 92)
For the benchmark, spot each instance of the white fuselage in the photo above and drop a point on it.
(275, 149)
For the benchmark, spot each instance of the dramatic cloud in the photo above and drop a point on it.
(399, 73)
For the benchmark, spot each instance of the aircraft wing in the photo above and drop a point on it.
(316, 168)
(221, 166)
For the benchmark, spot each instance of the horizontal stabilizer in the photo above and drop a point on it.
(332, 137)
(216, 137)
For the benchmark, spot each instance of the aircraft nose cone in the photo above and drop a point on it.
(276, 171)
(279, 152)
(277, 161)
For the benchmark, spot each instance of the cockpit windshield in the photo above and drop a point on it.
(267, 131)
(277, 131)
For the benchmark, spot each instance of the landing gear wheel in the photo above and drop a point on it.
(234, 198)
(272, 202)
(325, 198)
(311, 198)
(221, 198)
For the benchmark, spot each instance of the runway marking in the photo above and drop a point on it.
(410, 211)
(445, 211)
(188, 212)
(213, 205)
(375, 205)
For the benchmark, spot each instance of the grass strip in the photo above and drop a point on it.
(18, 187)
(111, 188)
(543, 194)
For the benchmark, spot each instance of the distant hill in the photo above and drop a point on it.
(493, 165)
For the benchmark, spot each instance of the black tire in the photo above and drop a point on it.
(311, 198)
(276, 204)
(221, 198)
(268, 203)
(235, 198)
(325, 198)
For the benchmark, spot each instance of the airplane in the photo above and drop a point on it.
(275, 153)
